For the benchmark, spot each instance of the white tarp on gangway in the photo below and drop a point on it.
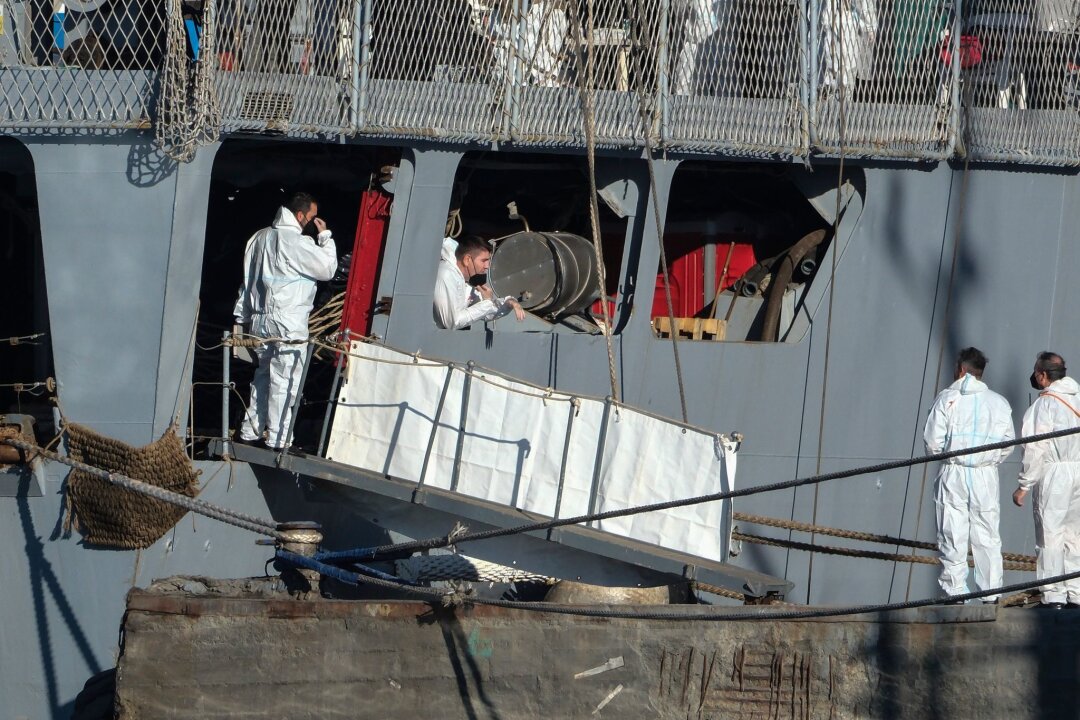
(501, 440)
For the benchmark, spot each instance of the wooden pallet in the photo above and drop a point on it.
(691, 328)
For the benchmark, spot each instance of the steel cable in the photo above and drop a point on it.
(655, 196)
(708, 613)
(431, 543)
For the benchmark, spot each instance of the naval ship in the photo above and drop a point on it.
(800, 212)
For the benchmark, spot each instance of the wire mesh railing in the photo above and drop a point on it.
(884, 78)
(1021, 80)
(286, 65)
(79, 63)
(737, 76)
(434, 69)
(920, 79)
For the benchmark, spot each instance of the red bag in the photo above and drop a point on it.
(970, 51)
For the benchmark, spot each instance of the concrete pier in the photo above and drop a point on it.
(195, 650)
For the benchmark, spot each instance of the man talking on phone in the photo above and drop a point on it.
(462, 295)
(282, 265)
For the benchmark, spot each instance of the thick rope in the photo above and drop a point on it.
(716, 590)
(231, 517)
(586, 82)
(856, 535)
(328, 316)
(655, 196)
(853, 552)
(29, 387)
(698, 613)
(432, 543)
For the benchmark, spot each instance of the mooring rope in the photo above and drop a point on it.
(857, 535)
(856, 553)
(216, 512)
(691, 613)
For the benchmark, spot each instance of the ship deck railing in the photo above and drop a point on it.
(746, 78)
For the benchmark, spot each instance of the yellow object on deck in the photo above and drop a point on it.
(691, 327)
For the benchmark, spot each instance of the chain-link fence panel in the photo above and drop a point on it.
(82, 63)
(586, 61)
(287, 65)
(884, 77)
(434, 68)
(1021, 80)
(735, 76)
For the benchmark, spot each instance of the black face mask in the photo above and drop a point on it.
(478, 279)
(310, 230)
(1034, 384)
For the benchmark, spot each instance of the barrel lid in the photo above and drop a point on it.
(523, 267)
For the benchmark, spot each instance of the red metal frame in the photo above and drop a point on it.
(686, 269)
(367, 253)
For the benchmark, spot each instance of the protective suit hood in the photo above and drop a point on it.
(285, 219)
(1064, 386)
(449, 247)
(969, 385)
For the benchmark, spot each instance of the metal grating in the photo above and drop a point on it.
(432, 69)
(736, 76)
(86, 64)
(287, 65)
(920, 79)
(1021, 82)
(884, 78)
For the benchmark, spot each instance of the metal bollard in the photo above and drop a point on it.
(303, 539)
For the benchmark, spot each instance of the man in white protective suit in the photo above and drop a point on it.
(1052, 468)
(697, 24)
(281, 268)
(849, 30)
(462, 295)
(967, 494)
(544, 28)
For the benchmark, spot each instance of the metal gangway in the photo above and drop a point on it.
(490, 449)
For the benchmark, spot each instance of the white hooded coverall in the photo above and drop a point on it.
(842, 66)
(543, 29)
(1052, 468)
(697, 25)
(281, 267)
(457, 304)
(967, 493)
